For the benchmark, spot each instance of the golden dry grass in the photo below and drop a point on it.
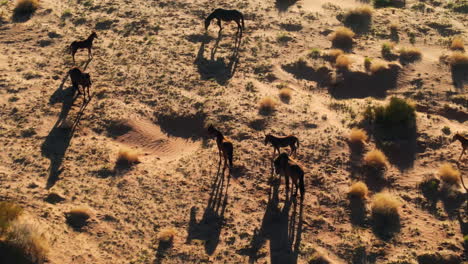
(457, 44)
(458, 59)
(384, 204)
(343, 62)
(127, 156)
(8, 212)
(267, 105)
(394, 26)
(167, 234)
(358, 135)
(410, 54)
(342, 37)
(378, 66)
(333, 54)
(78, 217)
(359, 17)
(363, 10)
(25, 7)
(449, 174)
(358, 190)
(376, 158)
(285, 94)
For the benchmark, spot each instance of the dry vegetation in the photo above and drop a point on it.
(378, 66)
(385, 213)
(342, 37)
(127, 157)
(333, 54)
(78, 217)
(25, 7)
(449, 174)
(458, 59)
(410, 54)
(358, 190)
(457, 44)
(285, 94)
(343, 62)
(167, 234)
(376, 158)
(267, 105)
(358, 136)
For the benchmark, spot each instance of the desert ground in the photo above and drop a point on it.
(158, 79)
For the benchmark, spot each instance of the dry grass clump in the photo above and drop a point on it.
(78, 217)
(127, 157)
(285, 94)
(333, 54)
(167, 234)
(359, 18)
(378, 66)
(449, 174)
(376, 158)
(342, 37)
(358, 136)
(410, 54)
(343, 62)
(8, 212)
(358, 190)
(458, 59)
(457, 44)
(385, 210)
(25, 7)
(267, 105)
(394, 26)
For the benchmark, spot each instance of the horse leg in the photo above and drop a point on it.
(90, 53)
(219, 25)
(461, 155)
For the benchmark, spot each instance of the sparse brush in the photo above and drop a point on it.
(332, 54)
(25, 7)
(359, 17)
(449, 174)
(387, 48)
(127, 157)
(267, 105)
(457, 44)
(318, 258)
(358, 136)
(376, 158)
(385, 212)
(24, 243)
(395, 120)
(367, 63)
(8, 212)
(394, 26)
(78, 217)
(358, 190)
(410, 54)
(342, 37)
(285, 94)
(314, 53)
(378, 66)
(167, 234)
(343, 62)
(458, 59)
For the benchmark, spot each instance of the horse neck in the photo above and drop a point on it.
(219, 137)
(90, 38)
(459, 138)
(211, 17)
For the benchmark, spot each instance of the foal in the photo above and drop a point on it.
(80, 78)
(464, 142)
(83, 44)
(281, 142)
(226, 15)
(225, 147)
(289, 168)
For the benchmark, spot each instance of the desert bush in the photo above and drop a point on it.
(8, 212)
(457, 44)
(410, 54)
(394, 26)
(387, 48)
(378, 66)
(25, 7)
(314, 53)
(343, 62)
(267, 105)
(430, 188)
(283, 38)
(319, 258)
(449, 174)
(24, 244)
(285, 94)
(78, 217)
(333, 54)
(127, 157)
(167, 234)
(389, 3)
(359, 18)
(342, 37)
(358, 190)
(367, 63)
(385, 213)
(376, 159)
(358, 135)
(458, 59)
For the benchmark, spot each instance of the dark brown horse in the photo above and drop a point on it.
(226, 15)
(83, 44)
(287, 167)
(225, 147)
(82, 79)
(464, 142)
(282, 142)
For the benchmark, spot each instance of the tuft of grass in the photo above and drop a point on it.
(358, 135)
(314, 53)
(367, 63)
(410, 54)
(385, 210)
(458, 59)
(394, 26)
(358, 190)
(387, 48)
(8, 212)
(167, 234)
(457, 44)
(267, 105)
(318, 258)
(378, 66)
(449, 174)
(127, 157)
(285, 94)
(343, 62)
(376, 158)
(25, 7)
(359, 18)
(283, 38)
(430, 187)
(342, 37)
(332, 54)
(78, 217)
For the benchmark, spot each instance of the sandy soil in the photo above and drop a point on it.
(158, 79)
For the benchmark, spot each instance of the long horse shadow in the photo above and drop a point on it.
(208, 229)
(217, 68)
(282, 226)
(60, 94)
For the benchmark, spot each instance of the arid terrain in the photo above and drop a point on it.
(158, 79)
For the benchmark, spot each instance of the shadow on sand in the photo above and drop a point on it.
(217, 68)
(208, 229)
(284, 5)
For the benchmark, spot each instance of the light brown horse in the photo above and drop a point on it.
(287, 167)
(464, 142)
(282, 142)
(225, 147)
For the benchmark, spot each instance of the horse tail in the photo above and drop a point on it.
(243, 25)
(301, 185)
(230, 151)
(297, 142)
